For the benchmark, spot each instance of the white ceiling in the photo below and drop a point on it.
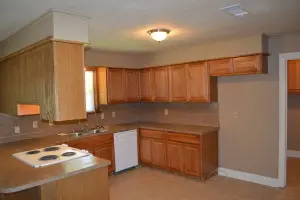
(121, 25)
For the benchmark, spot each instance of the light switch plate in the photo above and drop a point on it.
(166, 112)
(113, 114)
(35, 124)
(235, 115)
(102, 115)
(17, 129)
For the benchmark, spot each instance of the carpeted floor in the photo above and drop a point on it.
(152, 184)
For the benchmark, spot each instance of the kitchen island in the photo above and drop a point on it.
(81, 178)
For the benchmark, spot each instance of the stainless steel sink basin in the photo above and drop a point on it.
(89, 132)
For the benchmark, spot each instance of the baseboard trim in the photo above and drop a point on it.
(254, 178)
(293, 154)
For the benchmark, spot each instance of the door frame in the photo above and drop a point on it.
(283, 93)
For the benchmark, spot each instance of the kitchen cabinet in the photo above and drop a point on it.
(132, 85)
(201, 86)
(100, 146)
(178, 83)
(161, 84)
(146, 150)
(188, 154)
(249, 64)
(115, 85)
(147, 84)
(106, 151)
(175, 157)
(153, 148)
(50, 74)
(191, 159)
(294, 76)
(221, 67)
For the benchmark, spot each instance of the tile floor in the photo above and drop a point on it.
(152, 184)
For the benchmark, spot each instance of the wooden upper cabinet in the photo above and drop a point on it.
(178, 83)
(222, 67)
(115, 85)
(161, 84)
(132, 84)
(201, 87)
(147, 84)
(294, 76)
(250, 64)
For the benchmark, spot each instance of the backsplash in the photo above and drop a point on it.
(123, 114)
(181, 113)
(178, 113)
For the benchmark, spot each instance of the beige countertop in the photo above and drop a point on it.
(16, 176)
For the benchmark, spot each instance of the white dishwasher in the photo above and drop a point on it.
(126, 149)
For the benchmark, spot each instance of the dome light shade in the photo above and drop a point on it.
(159, 34)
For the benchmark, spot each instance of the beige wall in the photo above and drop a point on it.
(249, 143)
(293, 140)
(113, 59)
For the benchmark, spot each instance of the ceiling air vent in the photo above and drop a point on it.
(235, 10)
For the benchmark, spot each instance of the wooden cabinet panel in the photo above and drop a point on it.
(146, 150)
(294, 76)
(161, 84)
(115, 85)
(247, 64)
(222, 67)
(153, 134)
(106, 152)
(132, 83)
(178, 83)
(147, 85)
(191, 160)
(202, 87)
(175, 161)
(159, 153)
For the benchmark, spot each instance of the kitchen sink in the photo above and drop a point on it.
(88, 132)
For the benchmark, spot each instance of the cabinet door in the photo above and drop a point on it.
(222, 67)
(191, 160)
(161, 84)
(115, 85)
(132, 81)
(178, 83)
(247, 64)
(202, 87)
(175, 162)
(159, 153)
(294, 76)
(106, 152)
(147, 87)
(146, 150)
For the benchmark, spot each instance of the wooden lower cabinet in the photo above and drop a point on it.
(191, 159)
(159, 153)
(188, 154)
(175, 157)
(146, 150)
(106, 151)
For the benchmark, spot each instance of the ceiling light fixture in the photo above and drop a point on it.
(159, 34)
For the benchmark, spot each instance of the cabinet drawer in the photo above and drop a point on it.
(153, 134)
(91, 141)
(184, 138)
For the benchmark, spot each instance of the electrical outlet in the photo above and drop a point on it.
(166, 112)
(35, 124)
(113, 114)
(17, 129)
(102, 115)
(235, 115)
